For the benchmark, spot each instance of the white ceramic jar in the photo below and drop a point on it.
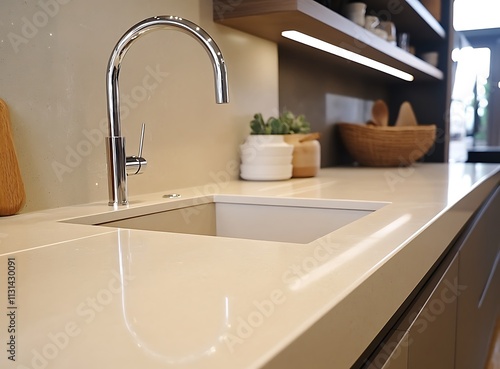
(266, 158)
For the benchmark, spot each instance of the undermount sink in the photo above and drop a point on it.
(295, 220)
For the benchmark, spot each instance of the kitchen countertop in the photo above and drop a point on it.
(98, 297)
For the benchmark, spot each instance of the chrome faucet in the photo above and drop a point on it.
(118, 163)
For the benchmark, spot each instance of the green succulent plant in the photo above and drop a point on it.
(297, 124)
(273, 126)
(286, 123)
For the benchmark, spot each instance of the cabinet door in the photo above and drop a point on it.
(479, 274)
(425, 335)
(431, 338)
(399, 357)
(392, 353)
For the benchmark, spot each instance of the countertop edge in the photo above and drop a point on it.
(363, 329)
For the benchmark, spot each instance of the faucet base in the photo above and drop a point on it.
(117, 177)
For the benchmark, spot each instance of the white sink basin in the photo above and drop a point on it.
(258, 218)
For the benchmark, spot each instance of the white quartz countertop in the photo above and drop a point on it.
(98, 297)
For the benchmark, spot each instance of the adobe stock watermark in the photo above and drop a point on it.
(87, 311)
(221, 180)
(31, 26)
(95, 137)
(420, 321)
(263, 309)
(406, 169)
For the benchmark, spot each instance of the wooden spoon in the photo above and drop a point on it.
(380, 113)
(406, 116)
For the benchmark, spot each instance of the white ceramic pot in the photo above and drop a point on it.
(266, 158)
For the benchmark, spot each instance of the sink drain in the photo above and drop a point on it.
(172, 196)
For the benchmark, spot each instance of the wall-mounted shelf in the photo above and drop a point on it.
(268, 18)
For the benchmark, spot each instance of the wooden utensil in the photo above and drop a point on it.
(406, 116)
(12, 195)
(380, 113)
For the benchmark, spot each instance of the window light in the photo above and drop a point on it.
(346, 54)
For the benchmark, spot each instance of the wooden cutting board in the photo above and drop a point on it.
(12, 195)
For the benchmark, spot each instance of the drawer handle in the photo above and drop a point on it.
(490, 279)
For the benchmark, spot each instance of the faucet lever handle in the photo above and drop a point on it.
(136, 164)
(141, 142)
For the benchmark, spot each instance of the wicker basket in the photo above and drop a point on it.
(387, 146)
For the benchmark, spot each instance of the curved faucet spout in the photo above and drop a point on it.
(117, 179)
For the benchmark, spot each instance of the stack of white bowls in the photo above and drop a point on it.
(266, 158)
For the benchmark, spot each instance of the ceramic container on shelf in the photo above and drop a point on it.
(371, 22)
(266, 158)
(431, 57)
(356, 12)
(306, 154)
(390, 28)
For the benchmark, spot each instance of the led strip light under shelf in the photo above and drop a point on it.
(346, 54)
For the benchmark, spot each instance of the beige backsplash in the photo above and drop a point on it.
(53, 57)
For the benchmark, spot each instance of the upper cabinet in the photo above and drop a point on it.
(268, 18)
